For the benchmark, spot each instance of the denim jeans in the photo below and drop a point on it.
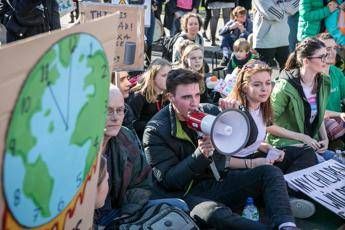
(293, 25)
(211, 201)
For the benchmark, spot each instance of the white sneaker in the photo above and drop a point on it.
(302, 208)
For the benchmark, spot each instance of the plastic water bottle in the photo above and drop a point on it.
(250, 211)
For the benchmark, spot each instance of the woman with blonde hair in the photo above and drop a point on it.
(149, 94)
(193, 59)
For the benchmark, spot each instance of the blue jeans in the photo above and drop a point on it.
(293, 25)
(211, 201)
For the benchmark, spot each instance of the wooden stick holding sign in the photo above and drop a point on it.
(128, 32)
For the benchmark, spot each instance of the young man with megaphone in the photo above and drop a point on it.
(181, 165)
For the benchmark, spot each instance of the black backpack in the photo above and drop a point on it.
(168, 46)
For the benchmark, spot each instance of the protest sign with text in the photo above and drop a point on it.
(128, 32)
(325, 183)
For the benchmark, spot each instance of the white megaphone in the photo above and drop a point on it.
(229, 130)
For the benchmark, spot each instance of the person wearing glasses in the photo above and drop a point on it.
(334, 116)
(127, 194)
(299, 99)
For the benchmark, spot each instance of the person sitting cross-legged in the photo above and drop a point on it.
(181, 165)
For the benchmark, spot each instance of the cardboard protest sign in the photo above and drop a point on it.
(127, 32)
(52, 118)
(144, 3)
(65, 6)
(325, 183)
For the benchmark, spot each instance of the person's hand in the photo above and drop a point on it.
(205, 146)
(323, 146)
(177, 15)
(241, 27)
(310, 142)
(275, 155)
(332, 6)
(342, 116)
(227, 103)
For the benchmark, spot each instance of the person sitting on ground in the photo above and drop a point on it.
(121, 80)
(127, 194)
(239, 27)
(240, 56)
(191, 24)
(299, 99)
(149, 94)
(334, 115)
(193, 59)
(252, 90)
(180, 162)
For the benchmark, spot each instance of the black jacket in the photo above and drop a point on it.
(32, 17)
(175, 159)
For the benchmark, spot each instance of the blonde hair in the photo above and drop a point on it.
(239, 10)
(146, 85)
(243, 78)
(184, 63)
(241, 44)
(184, 56)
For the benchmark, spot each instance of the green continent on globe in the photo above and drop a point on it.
(67, 47)
(85, 130)
(38, 185)
(20, 140)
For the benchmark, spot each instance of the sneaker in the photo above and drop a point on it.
(224, 61)
(302, 208)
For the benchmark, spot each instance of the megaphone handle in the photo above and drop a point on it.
(214, 170)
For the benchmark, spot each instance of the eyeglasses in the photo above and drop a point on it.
(322, 57)
(118, 111)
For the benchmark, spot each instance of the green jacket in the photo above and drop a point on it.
(337, 89)
(291, 109)
(311, 13)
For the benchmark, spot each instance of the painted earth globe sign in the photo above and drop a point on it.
(55, 130)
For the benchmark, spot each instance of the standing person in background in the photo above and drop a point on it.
(271, 30)
(206, 20)
(331, 23)
(31, 17)
(175, 9)
(149, 94)
(216, 6)
(299, 99)
(311, 15)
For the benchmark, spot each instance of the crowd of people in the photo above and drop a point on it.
(149, 153)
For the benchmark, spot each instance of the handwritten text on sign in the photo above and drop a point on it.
(128, 32)
(325, 183)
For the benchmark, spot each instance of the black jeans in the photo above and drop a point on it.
(210, 201)
(296, 158)
(269, 55)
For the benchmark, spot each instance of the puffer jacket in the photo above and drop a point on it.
(291, 109)
(176, 161)
(311, 14)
